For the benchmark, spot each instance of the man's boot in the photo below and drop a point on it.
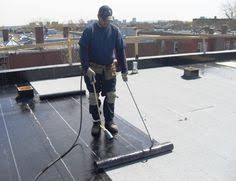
(111, 126)
(96, 129)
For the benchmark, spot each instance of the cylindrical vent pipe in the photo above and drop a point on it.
(39, 35)
(65, 31)
(5, 34)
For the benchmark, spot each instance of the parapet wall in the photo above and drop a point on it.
(22, 75)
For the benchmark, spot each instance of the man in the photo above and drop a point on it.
(100, 44)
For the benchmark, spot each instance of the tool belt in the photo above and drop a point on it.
(108, 70)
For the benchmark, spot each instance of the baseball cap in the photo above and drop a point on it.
(105, 12)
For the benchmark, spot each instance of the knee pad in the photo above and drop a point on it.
(92, 99)
(110, 97)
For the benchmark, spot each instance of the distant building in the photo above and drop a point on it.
(214, 23)
(12, 43)
(25, 39)
(51, 31)
(127, 31)
(134, 20)
(91, 22)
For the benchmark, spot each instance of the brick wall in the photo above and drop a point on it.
(159, 47)
(31, 59)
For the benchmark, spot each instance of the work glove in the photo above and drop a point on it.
(124, 77)
(91, 75)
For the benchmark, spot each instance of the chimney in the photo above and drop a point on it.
(65, 31)
(5, 34)
(39, 35)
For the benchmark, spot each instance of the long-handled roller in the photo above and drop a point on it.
(152, 151)
(107, 133)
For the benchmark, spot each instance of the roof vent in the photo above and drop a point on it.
(191, 73)
(25, 92)
(135, 68)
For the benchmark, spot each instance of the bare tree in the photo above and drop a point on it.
(229, 9)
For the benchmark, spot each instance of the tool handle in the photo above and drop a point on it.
(136, 105)
(93, 80)
(107, 133)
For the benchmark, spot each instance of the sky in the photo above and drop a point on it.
(20, 12)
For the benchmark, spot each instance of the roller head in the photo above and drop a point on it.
(134, 156)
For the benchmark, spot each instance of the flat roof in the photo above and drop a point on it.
(205, 143)
(197, 116)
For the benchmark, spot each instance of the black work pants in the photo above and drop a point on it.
(102, 86)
